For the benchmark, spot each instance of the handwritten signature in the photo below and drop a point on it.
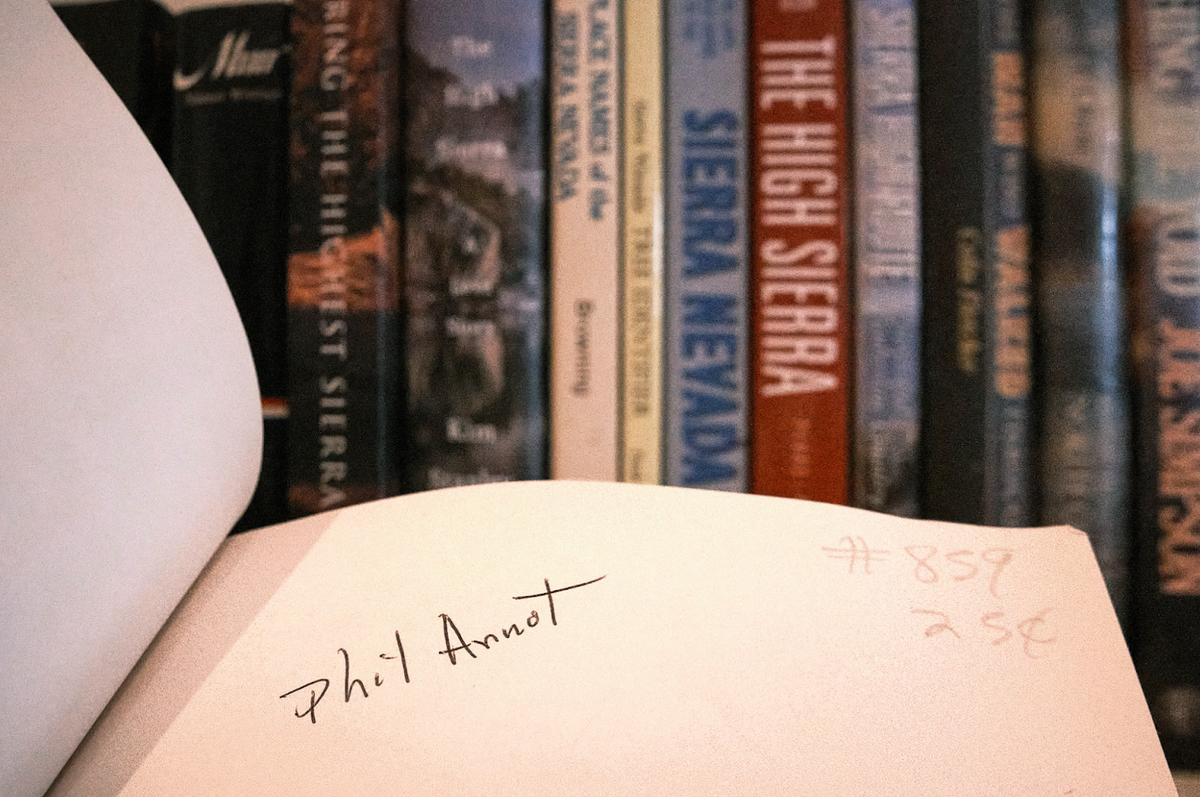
(309, 695)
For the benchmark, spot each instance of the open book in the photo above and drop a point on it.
(581, 638)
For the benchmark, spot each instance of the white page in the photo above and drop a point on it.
(131, 429)
(732, 644)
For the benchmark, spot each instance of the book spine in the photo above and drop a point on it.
(800, 408)
(585, 258)
(887, 276)
(474, 258)
(1084, 463)
(229, 157)
(1164, 129)
(343, 273)
(642, 242)
(131, 43)
(975, 242)
(707, 317)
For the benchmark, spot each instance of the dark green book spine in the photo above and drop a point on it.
(976, 463)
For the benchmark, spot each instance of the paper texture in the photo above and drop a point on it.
(132, 430)
(591, 638)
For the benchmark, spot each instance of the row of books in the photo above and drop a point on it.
(918, 257)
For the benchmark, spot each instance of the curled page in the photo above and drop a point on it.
(132, 431)
(619, 639)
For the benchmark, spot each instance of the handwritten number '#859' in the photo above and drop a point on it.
(958, 565)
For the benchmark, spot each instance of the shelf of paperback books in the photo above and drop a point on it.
(931, 258)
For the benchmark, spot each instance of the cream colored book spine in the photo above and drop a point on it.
(584, 231)
(642, 240)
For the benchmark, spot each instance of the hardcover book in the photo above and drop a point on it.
(706, 355)
(1165, 242)
(129, 41)
(229, 156)
(474, 257)
(977, 380)
(343, 268)
(133, 428)
(641, 215)
(584, 236)
(1084, 471)
(887, 271)
(344, 346)
(800, 280)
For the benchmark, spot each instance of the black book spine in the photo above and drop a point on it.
(1164, 186)
(130, 42)
(976, 464)
(229, 152)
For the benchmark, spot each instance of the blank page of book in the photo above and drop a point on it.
(132, 428)
(589, 638)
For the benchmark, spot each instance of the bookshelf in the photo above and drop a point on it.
(1188, 784)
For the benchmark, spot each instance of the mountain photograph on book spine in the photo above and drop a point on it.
(474, 254)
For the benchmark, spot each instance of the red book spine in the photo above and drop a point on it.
(800, 433)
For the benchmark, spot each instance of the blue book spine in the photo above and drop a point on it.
(707, 362)
(887, 412)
